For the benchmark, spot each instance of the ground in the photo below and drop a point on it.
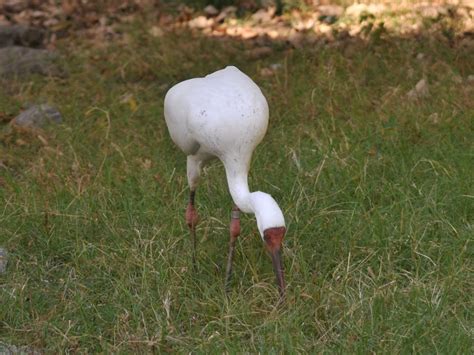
(374, 179)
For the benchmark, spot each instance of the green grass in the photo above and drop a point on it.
(377, 194)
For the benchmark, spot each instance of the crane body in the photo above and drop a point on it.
(224, 115)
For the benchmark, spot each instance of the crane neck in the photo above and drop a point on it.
(237, 180)
(266, 210)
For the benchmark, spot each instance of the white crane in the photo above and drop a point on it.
(224, 115)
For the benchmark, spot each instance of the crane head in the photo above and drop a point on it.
(273, 239)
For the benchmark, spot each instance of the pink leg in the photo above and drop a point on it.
(234, 233)
(192, 220)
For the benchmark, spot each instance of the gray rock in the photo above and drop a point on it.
(3, 260)
(20, 61)
(38, 116)
(210, 10)
(7, 349)
(19, 35)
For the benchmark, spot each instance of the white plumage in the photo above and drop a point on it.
(223, 115)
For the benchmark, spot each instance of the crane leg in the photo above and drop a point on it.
(234, 233)
(192, 220)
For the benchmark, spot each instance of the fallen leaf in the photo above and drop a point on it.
(330, 10)
(226, 12)
(156, 31)
(432, 12)
(420, 90)
(358, 10)
(248, 33)
(266, 72)
(42, 139)
(132, 103)
(264, 15)
(434, 118)
(322, 28)
(273, 34)
(457, 79)
(276, 66)
(232, 31)
(129, 99)
(200, 22)
(355, 10)
(146, 164)
(372, 151)
(302, 23)
(20, 142)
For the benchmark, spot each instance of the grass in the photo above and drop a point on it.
(377, 191)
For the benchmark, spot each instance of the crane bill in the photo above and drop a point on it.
(273, 238)
(278, 268)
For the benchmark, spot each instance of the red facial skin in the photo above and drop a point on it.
(273, 238)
